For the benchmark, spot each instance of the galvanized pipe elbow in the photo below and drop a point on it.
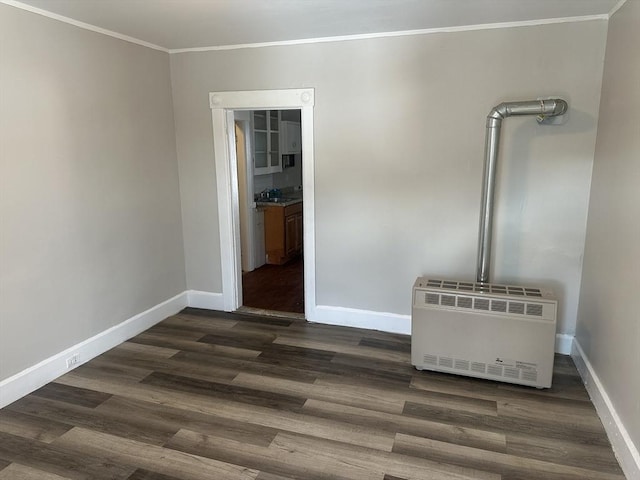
(550, 108)
(541, 108)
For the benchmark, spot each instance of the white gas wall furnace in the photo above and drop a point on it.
(482, 329)
(499, 332)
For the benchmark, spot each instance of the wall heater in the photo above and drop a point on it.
(483, 329)
(499, 332)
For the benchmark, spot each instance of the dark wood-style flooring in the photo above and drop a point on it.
(277, 288)
(206, 395)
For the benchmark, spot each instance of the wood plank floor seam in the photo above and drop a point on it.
(213, 395)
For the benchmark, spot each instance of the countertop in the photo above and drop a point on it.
(289, 201)
(289, 198)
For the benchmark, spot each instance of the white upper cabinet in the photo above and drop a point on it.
(266, 142)
(291, 139)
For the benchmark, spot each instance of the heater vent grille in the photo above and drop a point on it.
(481, 304)
(445, 362)
(534, 309)
(461, 364)
(448, 300)
(478, 367)
(432, 299)
(430, 359)
(511, 372)
(498, 306)
(516, 307)
(484, 304)
(484, 287)
(527, 372)
(465, 302)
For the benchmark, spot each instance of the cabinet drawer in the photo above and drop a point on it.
(292, 209)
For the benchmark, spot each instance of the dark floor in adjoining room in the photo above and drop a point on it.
(275, 287)
(210, 395)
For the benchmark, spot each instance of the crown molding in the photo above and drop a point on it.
(83, 25)
(307, 41)
(402, 33)
(616, 7)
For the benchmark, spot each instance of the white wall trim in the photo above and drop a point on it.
(34, 377)
(222, 105)
(401, 33)
(616, 7)
(393, 322)
(206, 300)
(83, 25)
(370, 320)
(626, 452)
(304, 41)
(563, 343)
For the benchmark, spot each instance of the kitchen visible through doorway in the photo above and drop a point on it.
(269, 154)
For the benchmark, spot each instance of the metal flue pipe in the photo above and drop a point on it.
(541, 108)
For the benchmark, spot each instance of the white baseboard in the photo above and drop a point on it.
(393, 322)
(34, 377)
(49, 369)
(626, 452)
(206, 300)
(564, 343)
(351, 317)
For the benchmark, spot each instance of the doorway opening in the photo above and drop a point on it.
(271, 199)
(229, 126)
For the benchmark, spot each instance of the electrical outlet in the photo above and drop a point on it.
(73, 360)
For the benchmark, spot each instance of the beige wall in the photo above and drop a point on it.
(608, 327)
(90, 214)
(399, 134)
(90, 228)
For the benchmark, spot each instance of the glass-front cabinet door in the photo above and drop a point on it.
(260, 152)
(274, 152)
(266, 142)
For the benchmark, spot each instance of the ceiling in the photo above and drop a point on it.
(179, 24)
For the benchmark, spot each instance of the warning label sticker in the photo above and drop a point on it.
(527, 365)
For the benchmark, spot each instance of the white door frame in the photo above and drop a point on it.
(247, 203)
(222, 106)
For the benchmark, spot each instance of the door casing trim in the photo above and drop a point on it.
(222, 105)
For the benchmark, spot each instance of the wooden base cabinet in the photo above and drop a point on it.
(282, 233)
